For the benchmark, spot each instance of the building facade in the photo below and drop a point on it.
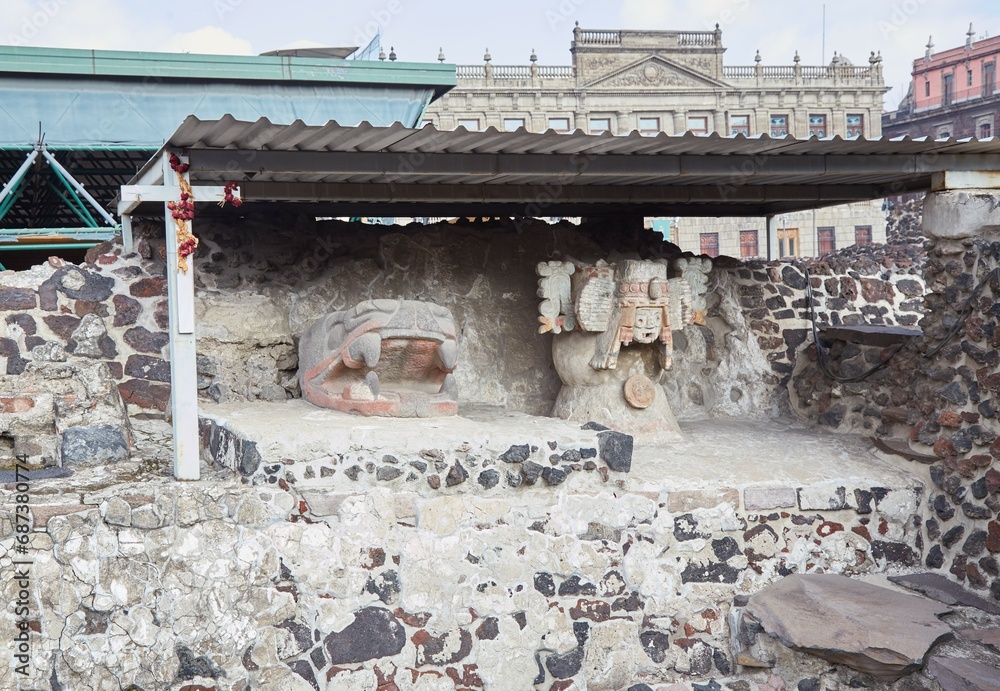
(665, 81)
(622, 81)
(800, 234)
(952, 93)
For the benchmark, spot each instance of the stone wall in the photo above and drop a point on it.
(363, 579)
(77, 341)
(261, 283)
(936, 400)
(880, 285)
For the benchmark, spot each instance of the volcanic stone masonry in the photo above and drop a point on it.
(545, 555)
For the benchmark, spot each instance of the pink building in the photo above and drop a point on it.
(953, 93)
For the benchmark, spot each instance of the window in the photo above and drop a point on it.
(697, 124)
(862, 235)
(985, 131)
(968, 77)
(827, 240)
(472, 124)
(649, 126)
(748, 243)
(855, 125)
(989, 78)
(560, 125)
(600, 125)
(511, 124)
(779, 125)
(927, 88)
(947, 89)
(817, 125)
(709, 244)
(788, 242)
(739, 124)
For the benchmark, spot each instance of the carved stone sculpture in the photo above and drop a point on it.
(608, 306)
(391, 358)
(631, 301)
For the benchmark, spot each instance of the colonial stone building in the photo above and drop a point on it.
(800, 234)
(665, 81)
(675, 81)
(953, 93)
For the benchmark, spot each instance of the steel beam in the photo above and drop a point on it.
(549, 195)
(14, 183)
(731, 168)
(75, 184)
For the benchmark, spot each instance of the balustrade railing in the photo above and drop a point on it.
(470, 71)
(514, 71)
(599, 37)
(696, 38)
(789, 72)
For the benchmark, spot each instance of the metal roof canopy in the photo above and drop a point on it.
(399, 171)
(365, 170)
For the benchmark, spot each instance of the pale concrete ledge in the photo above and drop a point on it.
(753, 465)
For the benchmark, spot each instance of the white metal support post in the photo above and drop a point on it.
(183, 349)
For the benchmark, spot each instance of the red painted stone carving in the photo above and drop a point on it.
(391, 358)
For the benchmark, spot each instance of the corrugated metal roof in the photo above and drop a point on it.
(227, 132)
(397, 170)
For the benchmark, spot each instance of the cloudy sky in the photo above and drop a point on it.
(510, 28)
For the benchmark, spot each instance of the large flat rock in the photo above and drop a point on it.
(988, 637)
(939, 588)
(962, 674)
(872, 629)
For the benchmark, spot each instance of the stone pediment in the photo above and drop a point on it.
(654, 71)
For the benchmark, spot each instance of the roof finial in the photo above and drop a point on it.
(534, 56)
(970, 34)
(381, 54)
(392, 54)
(441, 54)
(930, 47)
(757, 57)
(796, 59)
(486, 56)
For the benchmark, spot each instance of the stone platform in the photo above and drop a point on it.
(467, 552)
(750, 464)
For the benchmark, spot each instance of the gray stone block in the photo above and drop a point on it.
(760, 498)
(91, 446)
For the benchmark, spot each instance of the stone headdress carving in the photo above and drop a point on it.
(625, 302)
